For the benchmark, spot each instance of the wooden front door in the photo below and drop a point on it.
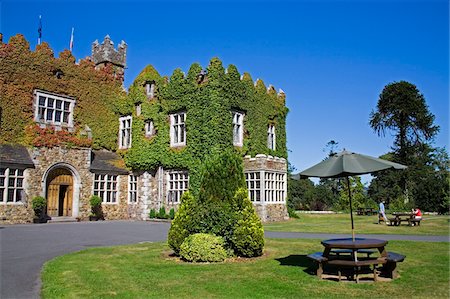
(59, 193)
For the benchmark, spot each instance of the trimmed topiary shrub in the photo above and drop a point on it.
(152, 214)
(184, 223)
(203, 248)
(222, 176)
(248, 233)
(219, 212)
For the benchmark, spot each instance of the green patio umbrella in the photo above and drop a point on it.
(345, 164)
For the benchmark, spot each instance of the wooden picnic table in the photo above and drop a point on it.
(334, 254)
(400, 217)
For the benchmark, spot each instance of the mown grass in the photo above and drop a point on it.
(147, 271)
(340, 224)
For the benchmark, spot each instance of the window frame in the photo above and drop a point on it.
(105, 179)
(125, 132)
(54, 108)
(238, 127)
(6, 176)
(178, 191)
(178, 129)
(273, 186)
(149, 128)
(133, 183)
(271, 137)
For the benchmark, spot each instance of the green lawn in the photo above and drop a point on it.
(340, 223)
(147, 271)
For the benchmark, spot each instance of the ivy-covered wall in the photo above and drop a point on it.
(208, 103)
(98, 96)
(100, 100)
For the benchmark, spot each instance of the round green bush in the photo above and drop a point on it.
(203, 248)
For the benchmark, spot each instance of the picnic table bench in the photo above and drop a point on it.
(403, 217)
(345, 258)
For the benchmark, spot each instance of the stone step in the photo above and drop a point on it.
(62, 219)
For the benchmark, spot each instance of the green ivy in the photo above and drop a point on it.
(99, 97)
(208, 103)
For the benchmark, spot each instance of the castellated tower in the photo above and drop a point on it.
(104, 54)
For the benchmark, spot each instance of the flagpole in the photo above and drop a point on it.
(71, 40)
(40, 30)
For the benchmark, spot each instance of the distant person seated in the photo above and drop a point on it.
(381, 212)
(417, 214)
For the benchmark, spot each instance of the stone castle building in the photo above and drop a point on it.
(70, 131)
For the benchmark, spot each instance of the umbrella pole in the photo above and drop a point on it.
(351, 210)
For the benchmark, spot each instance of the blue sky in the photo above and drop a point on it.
(332, 58)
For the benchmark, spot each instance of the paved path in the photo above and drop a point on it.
(25, 248)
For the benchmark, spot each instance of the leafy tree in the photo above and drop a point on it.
(357, 191)
(402, 110)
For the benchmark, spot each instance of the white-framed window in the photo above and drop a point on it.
(178, 129)
(266, 186)
(274, 187)
(105, 186)
(253, 180)
(149, 128)
(11, 185)
(177, 184)
(238, 128)
(271, 137)
(132, 188)
(125, 131)
(53, 109)
(150, 89)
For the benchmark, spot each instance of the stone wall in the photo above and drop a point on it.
(77, 160)
(119, 209)
(269, 211)
(20, 212)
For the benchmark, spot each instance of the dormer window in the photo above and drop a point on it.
(150, 89)
(238, 128)
(125, 132)
(53, 109)
(149, 128)
(271, 137)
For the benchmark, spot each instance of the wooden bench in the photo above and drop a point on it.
(394, 221)
(390, 267)
(338, 252)
(320, 259)
(356, 265)
(413, 222)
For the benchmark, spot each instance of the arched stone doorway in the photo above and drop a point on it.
(59, 190)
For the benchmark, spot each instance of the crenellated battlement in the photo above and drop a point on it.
(105, 52)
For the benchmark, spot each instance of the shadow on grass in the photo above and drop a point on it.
(299, 260)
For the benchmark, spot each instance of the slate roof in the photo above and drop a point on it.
(107, 162)
(15, 155)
